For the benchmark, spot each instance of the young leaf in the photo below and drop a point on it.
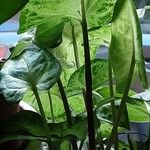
(99, 76)
(125, 25)
(49, 34)
(9, 8)
(34, 67)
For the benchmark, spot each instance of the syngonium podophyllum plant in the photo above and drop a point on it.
(60, 62)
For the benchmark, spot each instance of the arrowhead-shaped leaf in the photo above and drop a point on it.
(76, 82)
(9, 8)
(126, 37)
(34, 67)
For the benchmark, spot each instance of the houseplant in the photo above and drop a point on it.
(38, 67)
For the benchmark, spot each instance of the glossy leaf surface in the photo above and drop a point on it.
(9, 8)
(33, 68)
(125, 25)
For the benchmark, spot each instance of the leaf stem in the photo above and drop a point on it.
(67, 110)
(111, 90)
(122, 104)
(75, 46)
(88, 79)
(35, 91)
(51, 106)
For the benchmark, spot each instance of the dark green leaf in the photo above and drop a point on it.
(79, 129)
(9, 8)
(20, 137)
(34, 67)
(49, 33)
(99, 76)
(33, 145)
(24, 121)
(125, 25)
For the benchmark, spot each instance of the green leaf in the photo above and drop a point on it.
(105, 130)
(24, 121)
(65, 145)
(139, 57)
(99, 37)
(64, 53)
(105, 93)
(125, 25)
(138, 110)
(79, 129)
(36, 12)
(9, 8)
(19, 48)
(49, 33)
(99, 77)
(105, 112)
(20, 137)
(34, 67)
(33, 145)
(99, 12)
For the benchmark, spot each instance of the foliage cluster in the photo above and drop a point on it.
(57, 71)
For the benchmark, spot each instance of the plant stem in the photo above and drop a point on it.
(122, 104)
(51, 106)
(88, 79)
(67, 110)
(35, 91)
(75, 46)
